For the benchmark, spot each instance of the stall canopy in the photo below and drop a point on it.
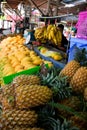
(49, 6)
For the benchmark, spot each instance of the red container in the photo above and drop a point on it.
(82, 25)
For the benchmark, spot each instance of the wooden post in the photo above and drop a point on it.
(36, 6)
(42, 3)
(56, 8)
(48, 7)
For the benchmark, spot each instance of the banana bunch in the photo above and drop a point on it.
(40, 34)
(54, 35)
(49, 33)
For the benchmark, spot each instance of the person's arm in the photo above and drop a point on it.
(62, 49)
(64, 44)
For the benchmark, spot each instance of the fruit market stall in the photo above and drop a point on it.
(36, 96)
(39, 89)
(46, 101)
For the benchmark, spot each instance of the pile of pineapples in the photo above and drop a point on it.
(77, 79)
(19, 100)
(53, 99)
(46, 100)
(69, 86)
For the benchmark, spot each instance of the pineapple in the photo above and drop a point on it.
(25, 96)
(8, 96)
(17, 118)
(79, 80)
(8, 103)
(26, 79)
(79, 122)
(0, 95)
(85, 93)
(8, 89)
(70, 69)
(32, 95)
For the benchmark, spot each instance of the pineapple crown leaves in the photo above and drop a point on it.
(67, 125)
(45, 111)
(57, 83)
(45, 114)
(61, 89)
(51, 123)
(81, 56)
(61, 94)
(67, 109)
(83, 103)
(51, 76)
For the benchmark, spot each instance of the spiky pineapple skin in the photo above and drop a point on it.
(6, 104)
(8, 89)
(79, 80)
(85, 94)
(1, 98)
(28, 128)
(26, 79)
(70, 69)
(19, 128)
(32, 96)
(79, 122)
(17, 118)
(7, 93)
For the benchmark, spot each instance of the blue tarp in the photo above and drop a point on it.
(76, 42)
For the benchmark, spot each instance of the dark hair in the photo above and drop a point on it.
(61, 26)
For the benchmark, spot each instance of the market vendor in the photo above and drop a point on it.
(64, 41)
(29, 36)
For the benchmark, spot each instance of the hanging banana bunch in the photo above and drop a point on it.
(50, 33)
(54, 35)
(40, 34)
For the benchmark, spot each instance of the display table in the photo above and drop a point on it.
(75, 43)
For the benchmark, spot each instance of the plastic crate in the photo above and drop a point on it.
(8, 79)
(82, 25)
